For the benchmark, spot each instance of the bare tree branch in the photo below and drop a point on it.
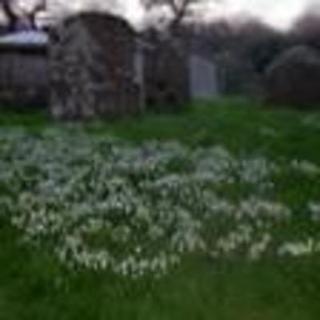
(16, 15)
(8, 8)
(179, 9)
(31, 15)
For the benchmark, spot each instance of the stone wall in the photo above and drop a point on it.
(92, 68)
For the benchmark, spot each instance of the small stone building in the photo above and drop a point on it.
(24, 69)
(95, 67)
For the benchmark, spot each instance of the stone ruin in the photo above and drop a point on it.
(94, 68)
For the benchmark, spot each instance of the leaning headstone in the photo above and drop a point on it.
(92, 68)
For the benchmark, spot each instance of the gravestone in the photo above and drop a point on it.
(203, 78)
(237, 76)
(166, 76)
(293, 78)
(93, 67)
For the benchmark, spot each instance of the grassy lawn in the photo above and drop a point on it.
(242, 182)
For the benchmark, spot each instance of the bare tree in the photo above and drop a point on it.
(306, 29)
(179, 10)
(16, 15)
(31, 14)
(9, 9)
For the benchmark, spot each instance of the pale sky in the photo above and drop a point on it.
(279, 13)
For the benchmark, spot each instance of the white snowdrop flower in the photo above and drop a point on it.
(255, 170)
(315, 210)
(121, 234)
(143, 214)
(311, 121)
(154, 201)
(138, 250)
(297, 248)
(269, 132)
(317, 246)
(156, 232)
(305, 167)
(259, 247)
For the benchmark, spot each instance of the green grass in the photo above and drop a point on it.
(235, 124)
(34, 286)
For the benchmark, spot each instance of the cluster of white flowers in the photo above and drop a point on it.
(305, 167)
(104, 204)
(269, 132)
(314, 208)
(299, 248)
(312, 121)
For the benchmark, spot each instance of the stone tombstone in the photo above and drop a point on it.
(166, 77)
(236, 75)
(139, 64)
(203, 78)
(93, 65)
(293, 78)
